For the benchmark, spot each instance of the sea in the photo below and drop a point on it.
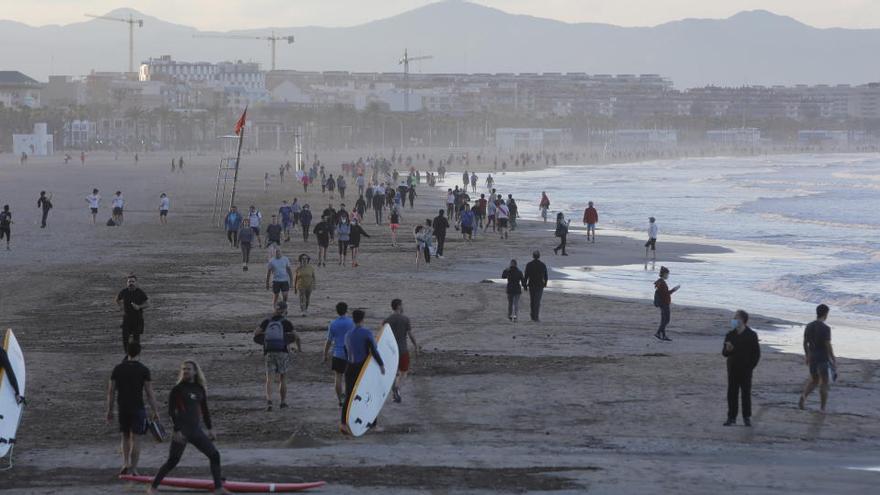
(801, 229)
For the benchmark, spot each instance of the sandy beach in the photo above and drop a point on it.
(584, 402)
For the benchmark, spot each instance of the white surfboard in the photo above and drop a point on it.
(372, 387)
(10, 411)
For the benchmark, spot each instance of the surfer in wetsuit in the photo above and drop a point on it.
(187, 408)
(6, 366)
(359, 344)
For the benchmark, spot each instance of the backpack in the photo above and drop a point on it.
(657, 301)
(111, 223)
(274, 340)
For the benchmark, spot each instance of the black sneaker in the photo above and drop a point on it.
(269, 405)
(747, 421)
(658, 336)
(731, 422)
(283, 405)
(666, 339)
(395, 392)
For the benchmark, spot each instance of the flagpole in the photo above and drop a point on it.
(237, 161)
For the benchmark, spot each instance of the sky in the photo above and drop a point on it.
(222, 15)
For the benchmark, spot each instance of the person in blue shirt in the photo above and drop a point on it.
(334, 349)
(286, 213)
(359, 345)
(233, 225)
(467, 220)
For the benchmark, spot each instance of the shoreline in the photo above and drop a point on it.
(585, 401)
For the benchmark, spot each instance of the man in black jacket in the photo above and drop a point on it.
(440, 224)
(535, 281)
(743, 352)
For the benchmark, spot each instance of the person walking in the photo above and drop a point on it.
(45, 204)
(132, 301)
(343, 237)
(305, 221)
(359, 345)
(402, 328)
(118, 204)
(503, 217)
(544, 205)
(334, 349)
(304, 282)
(6, 225)
(663, 300)
(232, 222)
(357, 231)
(245, 239)
(276, 334)
(819, 357)
(164, 206)
(535, 276)
(278, 271)
(322, 234)
(94, 201)
(561, 233)
(188, 401)
(128, 382)
(285, 211)
(515, 285)
(273, 235)
(440, 224)
(743, 352)
(255, 217)
(591, 218)
(653, 232)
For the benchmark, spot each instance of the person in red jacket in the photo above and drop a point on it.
(663, 300)
(591, 218)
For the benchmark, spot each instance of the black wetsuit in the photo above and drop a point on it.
(187, 407)
(7, 368)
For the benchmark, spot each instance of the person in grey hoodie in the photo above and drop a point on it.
(343, 235)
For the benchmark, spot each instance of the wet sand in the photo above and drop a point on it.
(585, 401)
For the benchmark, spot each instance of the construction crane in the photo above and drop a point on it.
(131, 21)
(405, 63)
(271, 39)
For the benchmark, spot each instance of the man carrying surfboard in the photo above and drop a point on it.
(402, 329)
(359, 345)
(129, 381)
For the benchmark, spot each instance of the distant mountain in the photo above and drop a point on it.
(756, 47)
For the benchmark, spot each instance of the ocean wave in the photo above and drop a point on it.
(813, 289)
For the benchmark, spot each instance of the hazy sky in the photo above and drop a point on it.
(241, 14)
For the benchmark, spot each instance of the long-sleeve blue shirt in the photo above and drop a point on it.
(359, 343)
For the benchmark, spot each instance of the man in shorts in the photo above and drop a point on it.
(334, 348)
(118, 208)
(129, 381)
(591, 218)
(322, 233)
(402, 329)
(273, 235)
(503, 216)
(467, 221)
(276, 334)
(280, 274)
(94, 201)
(819, 357)
(132, 301)
(6, 225)
(164, 206)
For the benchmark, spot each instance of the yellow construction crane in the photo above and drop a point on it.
(131, 21)
(405, 63)
(271, 39)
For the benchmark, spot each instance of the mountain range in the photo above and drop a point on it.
(749, 48)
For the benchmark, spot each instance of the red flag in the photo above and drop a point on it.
(240, 124)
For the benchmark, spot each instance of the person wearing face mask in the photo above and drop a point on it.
(663, 300)
(743, 352)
